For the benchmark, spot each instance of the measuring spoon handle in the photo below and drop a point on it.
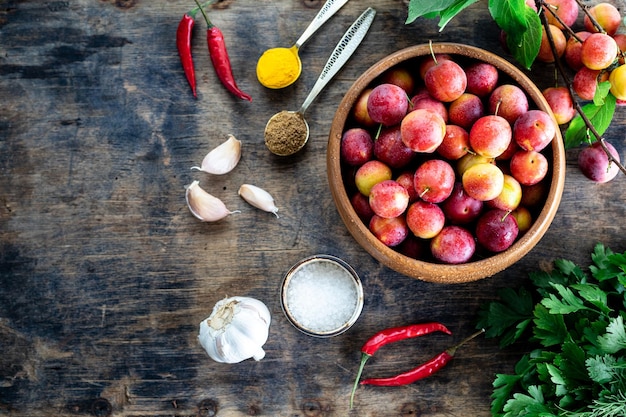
(328, 9)
(343, 51)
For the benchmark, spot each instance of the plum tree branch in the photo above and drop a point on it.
(563, 73)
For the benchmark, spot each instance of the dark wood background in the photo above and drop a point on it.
(104, 273)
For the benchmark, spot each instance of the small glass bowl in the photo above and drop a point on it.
(322, 296)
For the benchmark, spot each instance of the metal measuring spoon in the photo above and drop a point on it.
(290, 66)
(287, 131)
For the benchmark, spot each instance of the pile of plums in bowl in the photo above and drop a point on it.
(445, 162)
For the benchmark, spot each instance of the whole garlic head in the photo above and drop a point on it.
(236, 330)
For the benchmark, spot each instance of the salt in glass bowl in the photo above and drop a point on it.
(322, 296)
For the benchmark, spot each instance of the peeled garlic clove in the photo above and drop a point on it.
(205, 206)
(258, 198)
(223, 158)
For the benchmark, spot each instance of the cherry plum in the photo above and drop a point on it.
(496, 230)
(446, 80)
(388, 199)
(455, 143)
(482, 78)
(606, 15)
(423, 130)
(595, 165)
(391, 232)
(357, 146)
(434, 180)
(424, 219)
(598, 51)
(453, 245)
(390, 149)
(387, 104)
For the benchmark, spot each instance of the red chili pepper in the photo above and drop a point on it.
(183, 44)
(391, 335)
(220, 59)
(396, 334)
(426, 369)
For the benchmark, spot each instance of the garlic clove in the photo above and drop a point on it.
(223, 158)
(258, 198)
(204, 206)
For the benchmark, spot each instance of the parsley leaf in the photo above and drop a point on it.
(509, 318)
(601, 368)
(549, 329)
(577, 365)
(615, 338)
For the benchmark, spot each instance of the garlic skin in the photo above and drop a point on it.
(258, 198)
(236, 330)
(222, 159)
(204, 206)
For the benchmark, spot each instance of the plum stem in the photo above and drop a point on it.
(432, 52)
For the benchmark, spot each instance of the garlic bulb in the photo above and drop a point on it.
(236, 330)
(204, 206)
(223, 158)
(258, 197)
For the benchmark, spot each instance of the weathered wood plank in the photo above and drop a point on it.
(105, 275)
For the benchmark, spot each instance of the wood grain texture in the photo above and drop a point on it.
(104, 273)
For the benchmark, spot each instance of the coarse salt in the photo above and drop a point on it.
(322, 296)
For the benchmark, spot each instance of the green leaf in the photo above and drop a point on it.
(503, 387)
(594, 295)
(431, 8)
(602, 90)
(571, 363)
(549, 328)
(569, 268)
(601, 368)
(615, 338)
(522, 27)
(525, 45)
(449, 13)
(569, 302)
(543, 280)
(507, 318)
(599, 116)
(527, 405)
(509, 15)
(609, 266)
(558, 380)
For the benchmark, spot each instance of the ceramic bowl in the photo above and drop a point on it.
(481, 265)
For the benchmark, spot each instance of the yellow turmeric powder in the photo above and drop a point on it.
(278, 67)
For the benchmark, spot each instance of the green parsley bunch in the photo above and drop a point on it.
(575, 322)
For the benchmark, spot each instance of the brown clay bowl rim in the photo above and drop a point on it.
(426, 271)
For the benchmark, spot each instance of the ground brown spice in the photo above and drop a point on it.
(286, 133)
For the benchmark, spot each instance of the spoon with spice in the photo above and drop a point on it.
(281, 67)
(287, 131)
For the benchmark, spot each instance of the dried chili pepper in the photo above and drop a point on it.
(426, 369)
(220, 59)
(391, 335)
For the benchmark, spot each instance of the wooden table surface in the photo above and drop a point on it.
(105, 274)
